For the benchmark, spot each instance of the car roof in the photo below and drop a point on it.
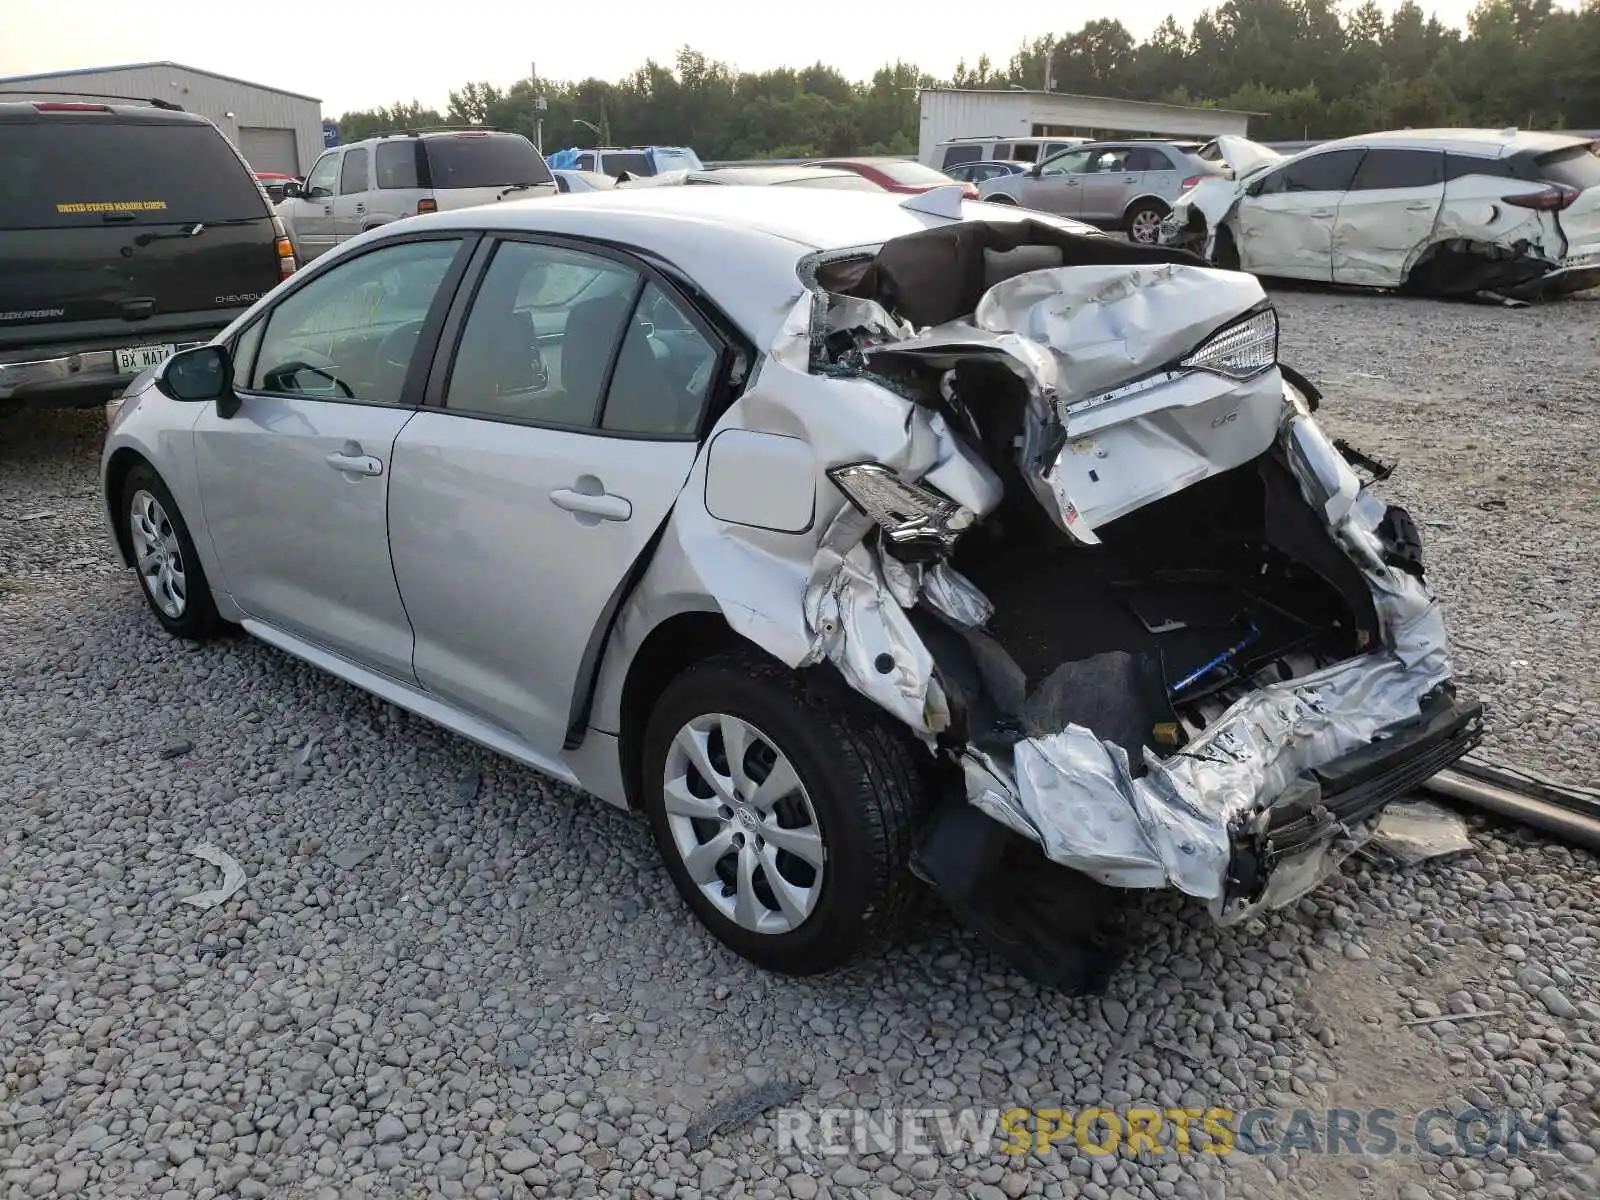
(1494, 142)
(28, 110)
(741, 245)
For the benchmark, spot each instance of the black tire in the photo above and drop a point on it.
(198, 620)
(868, 787)
(1002, 198)
(1225, 251)
(1131, 221)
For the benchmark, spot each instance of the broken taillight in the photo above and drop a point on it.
(910, 515)
(1553, 199)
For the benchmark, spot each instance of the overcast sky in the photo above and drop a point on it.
(361, 55)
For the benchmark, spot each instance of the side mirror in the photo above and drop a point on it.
(1036, 170)
(203, 373)
(291, 190)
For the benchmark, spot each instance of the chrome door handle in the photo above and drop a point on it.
(361, 208)
(355, 464)
(328, 209)
(605, 506)
(1320, 212)
(1424, 207)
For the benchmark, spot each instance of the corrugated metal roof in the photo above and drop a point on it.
(78, 72)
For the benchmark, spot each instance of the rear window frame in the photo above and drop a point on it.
(432, 182)
(1583, 152)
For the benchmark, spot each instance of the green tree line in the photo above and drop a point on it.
(1312, 68)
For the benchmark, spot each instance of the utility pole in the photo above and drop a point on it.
(1050, 64)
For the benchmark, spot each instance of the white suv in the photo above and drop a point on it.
(358, 187)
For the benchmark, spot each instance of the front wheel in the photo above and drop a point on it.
(784, 822)
(170, 574)
(1143, 222)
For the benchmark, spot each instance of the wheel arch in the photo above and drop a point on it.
(670, 648)
(121, 463)
(1143, 197)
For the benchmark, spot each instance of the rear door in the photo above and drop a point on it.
(113, 226)
(1387, 216)
(1285, 220)
(350, 203)
(1110, 181)
(465, 169)
(567, 421)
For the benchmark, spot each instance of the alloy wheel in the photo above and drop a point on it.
(743, 824)
(1145, 227)
(158, 554)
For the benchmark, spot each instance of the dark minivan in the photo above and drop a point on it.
(127, 232)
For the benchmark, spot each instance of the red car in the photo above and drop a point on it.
(896, 174)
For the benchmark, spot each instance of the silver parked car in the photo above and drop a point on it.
(354, 188)
(1123, 185)
(855, 539)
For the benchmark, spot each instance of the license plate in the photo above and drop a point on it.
(133, 359)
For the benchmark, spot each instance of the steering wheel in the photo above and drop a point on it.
(397, 345)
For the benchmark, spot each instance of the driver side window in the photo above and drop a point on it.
(320, 182)
(1066, 164)
(350, 334)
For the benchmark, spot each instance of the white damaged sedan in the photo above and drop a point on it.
(1449, 212)
(855, 540)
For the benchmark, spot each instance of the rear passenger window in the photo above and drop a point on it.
(541, 335)
(1145, 159)
(1399, 169)
(962, 154)
(1458, 165)
(397, 164)
(663, 374)
(349, 334)
(353, 174)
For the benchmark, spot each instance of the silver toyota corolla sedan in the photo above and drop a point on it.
(862, 542)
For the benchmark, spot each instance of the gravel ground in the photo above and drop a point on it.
(433, 984)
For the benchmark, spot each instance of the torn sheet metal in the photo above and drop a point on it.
(1075, 794)
(232, 877)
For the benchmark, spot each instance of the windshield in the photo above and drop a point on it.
(912, 174)
(67, 173)
(470, 160)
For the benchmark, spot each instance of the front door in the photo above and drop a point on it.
(311, 213)
(350, 205)
(1387, 216)
(1285, 220)
(295, 484)
(522, 502)
(1058, 186)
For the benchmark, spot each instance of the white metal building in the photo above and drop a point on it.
(952, 112)
(275, 130)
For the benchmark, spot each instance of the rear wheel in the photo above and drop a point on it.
(1001, 198)
(170, 574)
(784, 822)
(1143, 222)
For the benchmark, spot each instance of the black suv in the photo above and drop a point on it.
(127, 232)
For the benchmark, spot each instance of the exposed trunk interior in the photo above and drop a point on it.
(1190, 602)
